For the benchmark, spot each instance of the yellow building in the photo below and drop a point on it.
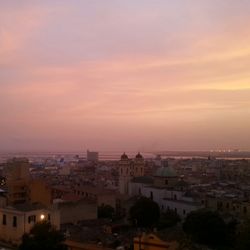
(19, 219)
(152, 242)
(73, 245)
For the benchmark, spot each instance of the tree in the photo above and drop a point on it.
(243, 239)
(187, 244)
(105, 211)
(168, 219)
(206, 227)
(43, 236)
(144, 213)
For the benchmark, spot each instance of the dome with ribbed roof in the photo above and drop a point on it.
(165, 172)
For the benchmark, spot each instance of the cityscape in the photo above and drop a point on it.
(124, 125)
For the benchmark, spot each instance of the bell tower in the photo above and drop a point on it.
(124, 173)
(128, 169)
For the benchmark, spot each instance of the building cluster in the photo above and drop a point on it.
(70, 192)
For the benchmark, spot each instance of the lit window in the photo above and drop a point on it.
(31, 218)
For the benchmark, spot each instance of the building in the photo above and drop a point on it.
(99, 195)
(152, 242)
(19, 219)
(39, 186)
(228, 204)
(74, 245)
(17, 177)
(75, 211)
(128, 169)
(92, 156)
(168, 190)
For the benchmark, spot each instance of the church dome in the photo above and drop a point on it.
(165, 172)
(124, 157)
(139, 156)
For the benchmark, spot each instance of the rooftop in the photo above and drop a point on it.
(26, 207)
(165, 172)
(143, 179)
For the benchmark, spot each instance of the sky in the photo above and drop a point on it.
(142, 75)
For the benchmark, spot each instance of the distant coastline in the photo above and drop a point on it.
(115, 155)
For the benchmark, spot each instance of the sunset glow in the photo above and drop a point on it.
(128, 75)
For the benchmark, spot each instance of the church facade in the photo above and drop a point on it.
(128, 169)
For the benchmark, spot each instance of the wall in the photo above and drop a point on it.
(72, 212)
(73, 245)
(40, 192)
(152, 242)
(13, 234)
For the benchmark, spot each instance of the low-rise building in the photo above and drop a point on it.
(75, 211)
(19, 219)
(74, 245)
(152, 242)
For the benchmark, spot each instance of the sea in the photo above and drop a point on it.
(115, 155)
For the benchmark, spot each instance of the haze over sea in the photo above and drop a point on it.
(115, 155)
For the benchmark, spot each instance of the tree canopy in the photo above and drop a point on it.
(206, 227)
(243, 239)
(144, 213)
(168, 219)
(43, 236)
(106, 211)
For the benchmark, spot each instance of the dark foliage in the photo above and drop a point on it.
(168, 219)
(43, 236)
(105, 211)
(144, 213)
(206, 227)
(243, 237)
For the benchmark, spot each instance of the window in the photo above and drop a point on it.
(151, 195)
(244, 210)
(31, 218)
(166, 182)
(14, 221)
(4, 219)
